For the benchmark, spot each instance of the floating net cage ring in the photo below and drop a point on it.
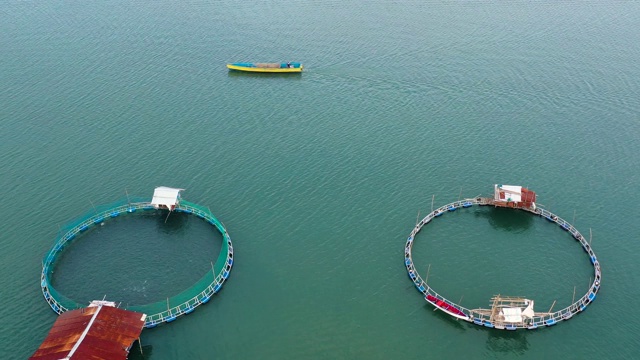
(158, 312)
(503, 315)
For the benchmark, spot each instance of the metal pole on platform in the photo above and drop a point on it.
(573, 299)
(554, 302)
(427, 279)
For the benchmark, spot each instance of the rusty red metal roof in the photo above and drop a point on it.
(99, 332)
(528, 196)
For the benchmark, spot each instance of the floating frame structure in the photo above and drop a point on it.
(482, 318)
(158, 312)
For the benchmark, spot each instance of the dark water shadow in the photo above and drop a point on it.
(257, 75)
(140, 354)
(505, 341)
(172, 223)
(510, 220)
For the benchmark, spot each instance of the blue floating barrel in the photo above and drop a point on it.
(451, 208)
(550, 322)
(225, 274)
(582, 307)
(47, 296)
(217, 288)
(84, 227)
(421, 288)
(407, 261)
(477, 321)
(592, 296)
(593, 260)
(130, 210)
(189, 310)
(230, 261)
(548, 218)
(71, 237)
(98, 220)
(151, 325)
(114, 214)
(565, 227)
(148, 207)
(412, 275)
(532, 326)
(510, 327)
(205, 299)
(170, 318)
(438, 213)
(467, 204)
(567, 315)
(487, 324)
(55, 308)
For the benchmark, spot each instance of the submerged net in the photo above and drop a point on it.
(185, 301)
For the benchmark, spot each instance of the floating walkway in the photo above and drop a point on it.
(159, 312)
(505, 321)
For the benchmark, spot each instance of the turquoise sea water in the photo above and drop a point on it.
(319, 177)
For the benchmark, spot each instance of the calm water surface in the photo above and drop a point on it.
(319, 176)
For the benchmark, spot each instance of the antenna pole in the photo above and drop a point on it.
(427, 279)
(432, 198)
(554, 302)
(573, 299)
(93, 206)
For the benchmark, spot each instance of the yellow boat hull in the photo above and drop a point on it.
(265, 70)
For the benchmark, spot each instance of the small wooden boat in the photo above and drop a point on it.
(447, 308)
(288, 67)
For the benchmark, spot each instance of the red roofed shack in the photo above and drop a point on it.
(514, 197)
(100, 331)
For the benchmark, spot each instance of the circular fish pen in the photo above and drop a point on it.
(158, 312)
(507, 313)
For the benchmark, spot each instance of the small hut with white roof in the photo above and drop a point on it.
(166, 198)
